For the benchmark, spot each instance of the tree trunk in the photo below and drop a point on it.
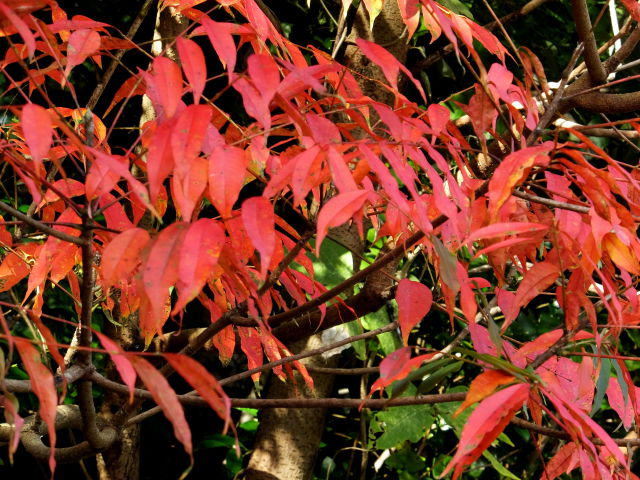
(288, 439)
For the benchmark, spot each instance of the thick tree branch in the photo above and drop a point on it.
(71, 375)
(85, 391)
(596, 70)
(41, 226)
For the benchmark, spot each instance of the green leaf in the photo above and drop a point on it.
(601, 384)
(501, 469)
(400, 424)
(456, 6)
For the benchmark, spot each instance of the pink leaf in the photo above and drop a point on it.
(220, 36)
(389, 64)
(414, 302)
(82, 44)
(160, 160)
(167, 400)
(484, 425)
(38, 132)
(43, 386)
(21, 27)
(265, 75)
(122, 363)
(259, 221)
(193, 64)
(337, 211)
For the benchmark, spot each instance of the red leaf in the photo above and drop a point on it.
(161, 267)
(187, 187)
(167, 400)
(53, 252)
(484, 425)
(341, 173)
(82, 44)
(563, 461)
(227, 171)
(337, 211)
(252, 348)
(120, 360)
(253, 103)
(389, 64)
(22, 28)
(397, 366)
(633, 8)
(188, 135)
(160, 161)
(16, 265)
(537, 279)
(193, 64)
(220, 36)
(203, 382)
(199, 253)
(265, 75)
(504, 229)
(414, 302)
(259, 222)
(38, 132)
(43, 386)
(122, 255)
(132, 86)
(164, 87)
(113, 165)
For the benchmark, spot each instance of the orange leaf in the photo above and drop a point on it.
(513, 170)
(484, 385)
(167, 400)
(414, 302)
(621, 254)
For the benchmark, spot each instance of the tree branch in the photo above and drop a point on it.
(41, 226)
(596, 70)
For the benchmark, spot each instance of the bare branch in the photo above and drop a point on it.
(40, 226)
(596, 70)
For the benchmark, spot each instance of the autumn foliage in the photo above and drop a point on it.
(136, 233)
